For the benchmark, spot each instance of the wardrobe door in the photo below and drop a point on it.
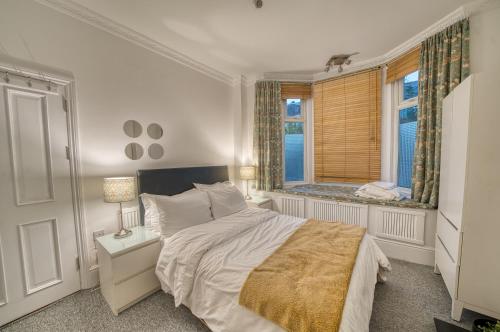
(446, 142)
(458, 152)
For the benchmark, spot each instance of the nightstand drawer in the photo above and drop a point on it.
(127, 267)
(135, 289)
(133, 262)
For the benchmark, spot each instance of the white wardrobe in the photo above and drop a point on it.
(468, 236)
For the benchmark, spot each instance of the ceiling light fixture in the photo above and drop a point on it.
(258, 3)
(339, 60)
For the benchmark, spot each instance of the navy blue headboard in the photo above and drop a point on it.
(173, 181)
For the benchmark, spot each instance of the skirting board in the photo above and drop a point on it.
(93, 277)
(407, 252)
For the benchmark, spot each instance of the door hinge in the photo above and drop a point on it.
(77, 263)
(65, 104)
(67, 152)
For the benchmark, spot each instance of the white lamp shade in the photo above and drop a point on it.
(118, 190)
(247, 173)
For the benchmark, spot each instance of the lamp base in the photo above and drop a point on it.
(122, 233)
(248, 197)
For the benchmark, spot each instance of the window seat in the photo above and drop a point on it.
(346, 194)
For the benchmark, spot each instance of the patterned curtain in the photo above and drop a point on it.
(444, 63)
(267, 135)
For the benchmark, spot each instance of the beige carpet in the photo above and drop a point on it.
(409, 300)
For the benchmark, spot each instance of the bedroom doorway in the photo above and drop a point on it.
(39, 261)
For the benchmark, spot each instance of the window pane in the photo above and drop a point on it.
(293, 108)
(294, 151)
(407, 138)
(410, 85)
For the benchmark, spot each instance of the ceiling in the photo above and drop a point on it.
(284, 36)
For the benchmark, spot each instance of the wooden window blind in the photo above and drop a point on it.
(295, 90)
(403, 65)
(347, 121)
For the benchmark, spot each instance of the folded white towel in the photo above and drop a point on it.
(370, 190)
(383, 185)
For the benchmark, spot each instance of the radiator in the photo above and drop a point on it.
(291, 206)
(130, 217)
(402, 225)
(347, 213)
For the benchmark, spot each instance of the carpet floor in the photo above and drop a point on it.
(408, 301)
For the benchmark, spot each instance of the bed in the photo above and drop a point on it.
(205, 266)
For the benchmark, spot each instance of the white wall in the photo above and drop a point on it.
(117, 81)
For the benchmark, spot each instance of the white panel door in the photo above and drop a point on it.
(38, 248)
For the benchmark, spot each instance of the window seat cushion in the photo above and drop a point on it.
(346, 194)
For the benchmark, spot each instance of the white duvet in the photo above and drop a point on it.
(205, 266)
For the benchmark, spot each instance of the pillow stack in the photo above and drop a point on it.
(192, 207)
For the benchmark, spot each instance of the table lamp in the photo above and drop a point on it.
(247, 173)
(119, 190)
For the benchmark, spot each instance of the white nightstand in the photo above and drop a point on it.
(127, 267)
(260, 202)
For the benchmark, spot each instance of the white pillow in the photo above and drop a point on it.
(180, 211)
(226, 199)
(151, 213)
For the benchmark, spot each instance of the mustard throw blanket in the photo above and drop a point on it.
(302, 286)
